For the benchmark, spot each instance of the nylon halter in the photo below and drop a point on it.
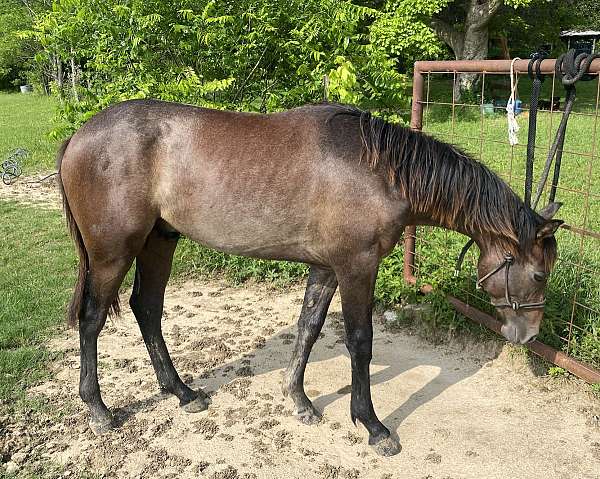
(508, 301)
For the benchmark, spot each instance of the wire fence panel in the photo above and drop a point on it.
(478, 124)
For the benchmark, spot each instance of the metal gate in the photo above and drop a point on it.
(574, 310)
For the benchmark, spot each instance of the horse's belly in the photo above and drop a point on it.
(276, 236)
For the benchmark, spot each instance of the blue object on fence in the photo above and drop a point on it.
(518, 107)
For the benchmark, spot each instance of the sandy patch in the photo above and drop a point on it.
(460, 413)
(25, 190)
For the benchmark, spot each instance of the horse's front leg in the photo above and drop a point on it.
(357, 283)
(319, 291)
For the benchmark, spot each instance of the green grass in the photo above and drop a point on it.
(193, 259)
(37, 268)
(25, 121)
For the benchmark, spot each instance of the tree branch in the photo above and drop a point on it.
(448, 34)
(480, 13)
(28, 7)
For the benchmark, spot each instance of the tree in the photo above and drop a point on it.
(16, 51)
(587, 14)
(13, 17)
(467, 26)
(528, 29)
(260, 55)
(463, 25)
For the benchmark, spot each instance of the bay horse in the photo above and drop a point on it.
(328, 185)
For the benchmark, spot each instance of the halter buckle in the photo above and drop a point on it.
(515, 306)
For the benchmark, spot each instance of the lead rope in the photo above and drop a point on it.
(569, 69)
(536, 85)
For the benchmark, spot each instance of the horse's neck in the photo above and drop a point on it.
(481, 238)
(485, 240)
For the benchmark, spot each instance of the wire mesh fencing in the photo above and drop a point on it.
(477, 123)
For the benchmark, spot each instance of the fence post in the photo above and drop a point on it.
(416, 123)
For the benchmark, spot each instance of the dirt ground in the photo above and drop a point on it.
(27, 190)
(460, 411)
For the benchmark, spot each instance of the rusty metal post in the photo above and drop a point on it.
(585, 372)
(489, 66)
(416, 123)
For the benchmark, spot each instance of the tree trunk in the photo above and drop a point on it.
(472, 44)
(475, 47)
(504, 46)
(59, 74)
(74, 77)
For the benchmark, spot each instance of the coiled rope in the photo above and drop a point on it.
(12, 168)
(569, 70)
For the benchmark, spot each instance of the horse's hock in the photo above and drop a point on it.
(569, 336)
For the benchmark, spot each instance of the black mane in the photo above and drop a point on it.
(444, 183)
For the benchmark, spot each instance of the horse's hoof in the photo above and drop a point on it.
(199, 404)
(387, 447)
(308, 416)
(101, 426)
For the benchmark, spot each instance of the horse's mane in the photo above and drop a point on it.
(442, 182)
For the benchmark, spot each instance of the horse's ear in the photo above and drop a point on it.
(548, 229)
(548, 211)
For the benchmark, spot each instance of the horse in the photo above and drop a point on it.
(325, 184)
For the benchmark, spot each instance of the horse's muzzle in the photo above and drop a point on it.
(518, 334)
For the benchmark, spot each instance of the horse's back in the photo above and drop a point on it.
(261, 185)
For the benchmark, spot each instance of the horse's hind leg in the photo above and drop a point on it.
(319, 291)
(152, 270)
(100, 289)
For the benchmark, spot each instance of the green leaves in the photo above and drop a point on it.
(245, 55)
(343, 83)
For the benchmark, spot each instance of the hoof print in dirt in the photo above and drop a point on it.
(387, 447)
(199, 404)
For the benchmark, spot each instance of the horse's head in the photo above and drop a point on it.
(516, 283)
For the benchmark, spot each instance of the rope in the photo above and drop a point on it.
(569, 69)
(11, 168)
(536, 87)
(513, 126)
(41, 180)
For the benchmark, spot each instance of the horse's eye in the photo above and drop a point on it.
(539, 276)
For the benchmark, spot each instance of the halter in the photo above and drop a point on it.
(508, 301)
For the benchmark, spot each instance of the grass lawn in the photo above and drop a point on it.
(37, 266)
(25, 121)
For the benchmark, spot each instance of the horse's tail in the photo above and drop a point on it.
(74, 309)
